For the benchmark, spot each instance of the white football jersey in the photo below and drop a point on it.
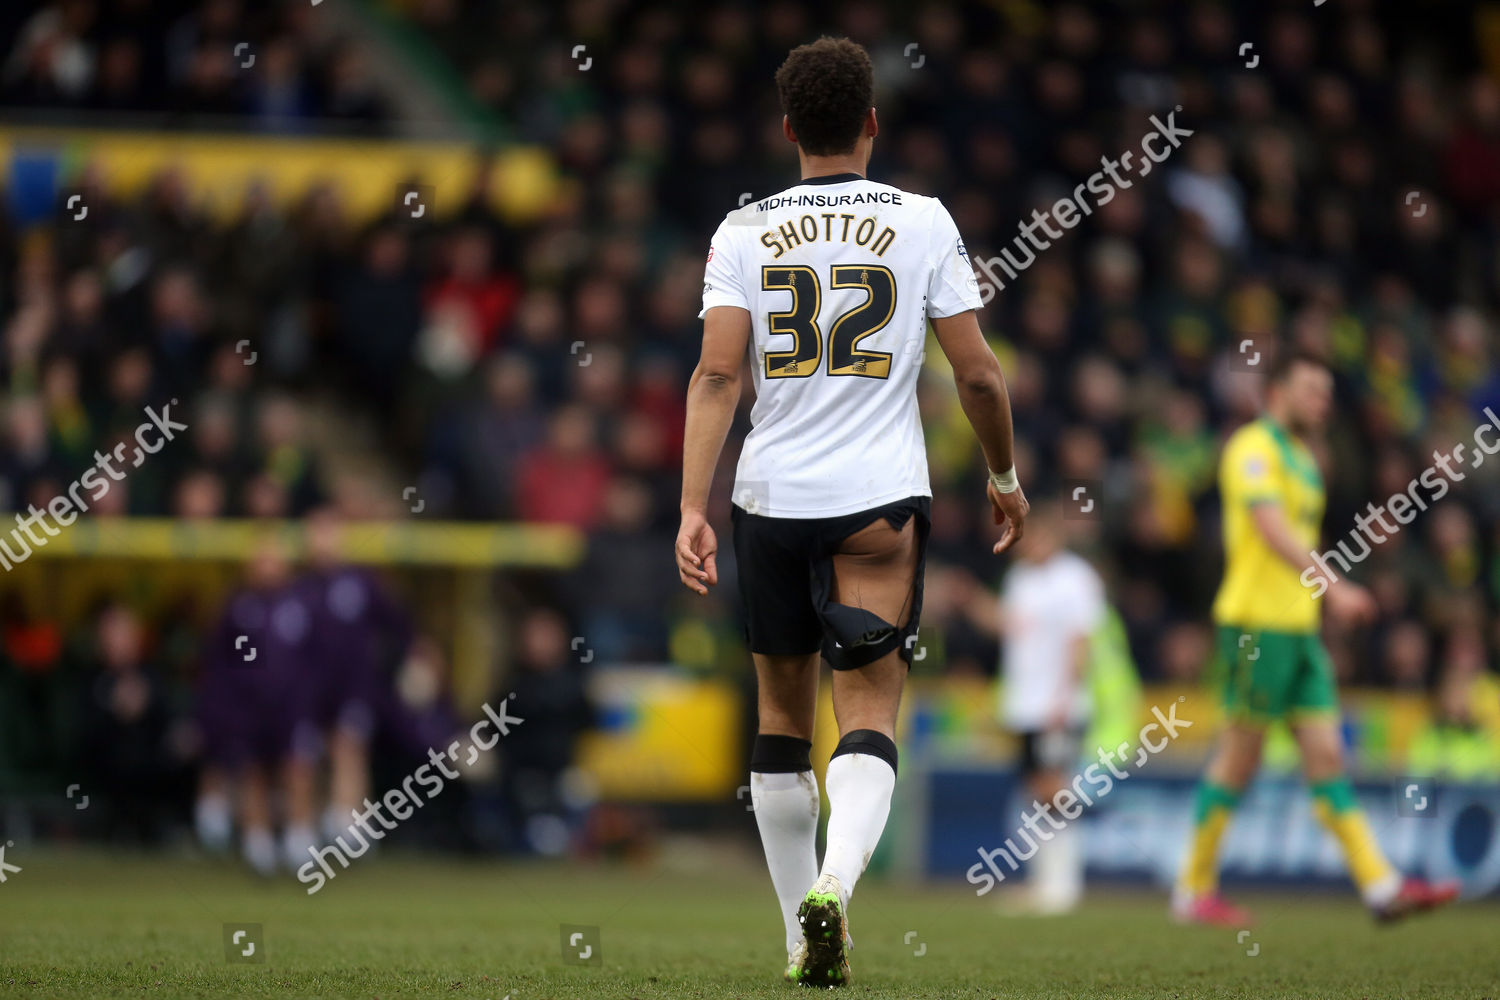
(1046, 608)
(839, 275)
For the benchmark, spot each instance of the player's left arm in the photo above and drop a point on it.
(985, 610)
(712, 396)
(952, 302)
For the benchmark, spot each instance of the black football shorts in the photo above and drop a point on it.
(1050, 749)
(786, 585)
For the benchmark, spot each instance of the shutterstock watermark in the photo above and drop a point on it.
(1103, 184)
(403, 799)
(97, 480)
(1069, 802)
(1403, 506)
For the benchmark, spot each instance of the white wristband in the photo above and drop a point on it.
(1006, 481)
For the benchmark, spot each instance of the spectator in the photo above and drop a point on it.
(549, 694)
(563, 481)
(132, 765)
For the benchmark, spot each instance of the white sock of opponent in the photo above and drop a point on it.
(860, 779)
(784, 791)
(259, 849)
(1057, 871)
(214, 820)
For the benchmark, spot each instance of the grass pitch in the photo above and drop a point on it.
(108, 925)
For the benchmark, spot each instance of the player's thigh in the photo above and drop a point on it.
(1313, 691)
(875, 568)
(1314, 715)
(869, 697)
(1260, 667)
(786, 693)
(775, 579)
(875, 571)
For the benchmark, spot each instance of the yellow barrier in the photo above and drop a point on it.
(157, 562)
(668, 738)
(364, 173)
(439, 543)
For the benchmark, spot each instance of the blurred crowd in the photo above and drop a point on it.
(1340, 195)
(185, 63)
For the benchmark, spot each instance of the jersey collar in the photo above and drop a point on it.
(1294, 453)
(1277, 431)
(832, 179)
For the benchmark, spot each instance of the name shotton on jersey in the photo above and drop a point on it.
(805, 229)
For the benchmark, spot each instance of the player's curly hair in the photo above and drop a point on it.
(826, 88)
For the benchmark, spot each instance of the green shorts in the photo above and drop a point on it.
(1269, 675)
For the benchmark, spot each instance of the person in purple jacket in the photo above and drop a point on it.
(358, 631)
(256, 707)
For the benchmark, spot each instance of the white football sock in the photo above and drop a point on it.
(1380, 894)
(214, 822)
(297, 843)
(259, 849)
(1058, 871)
(786, 811)
(859, 800)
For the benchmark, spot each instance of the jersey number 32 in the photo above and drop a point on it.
(801, 321)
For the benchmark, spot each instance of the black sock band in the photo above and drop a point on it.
(780, 754)
(868, 741)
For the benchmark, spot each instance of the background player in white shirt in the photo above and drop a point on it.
(827, 288)
(1051, 603)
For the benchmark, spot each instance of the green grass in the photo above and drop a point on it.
(91, 924)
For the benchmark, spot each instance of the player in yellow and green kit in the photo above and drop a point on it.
(1273, 663)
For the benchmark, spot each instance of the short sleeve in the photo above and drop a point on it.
(723, 280)
(1251, 470)
(953, 287)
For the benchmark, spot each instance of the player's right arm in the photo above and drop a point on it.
(986, 402)
(713, 393)
(712, 396)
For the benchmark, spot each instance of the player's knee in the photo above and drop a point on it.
(1322, 762)
(863, 635)
(1234, 767)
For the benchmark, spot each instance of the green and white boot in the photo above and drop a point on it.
(825, 937)
(796, 964)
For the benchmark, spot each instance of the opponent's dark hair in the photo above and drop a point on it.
(826, 88)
